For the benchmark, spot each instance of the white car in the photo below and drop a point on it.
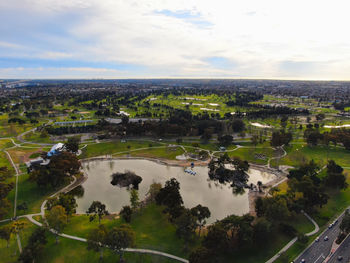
(326, 238)
(317, 239)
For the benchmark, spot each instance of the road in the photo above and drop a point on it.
(318, 251)
(343, 251)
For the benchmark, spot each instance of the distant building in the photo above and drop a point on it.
(36, 163)
(56, 149)
(222, 149)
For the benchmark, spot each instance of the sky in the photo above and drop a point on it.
(283, 39)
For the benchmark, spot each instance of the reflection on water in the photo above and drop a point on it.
(194, 189)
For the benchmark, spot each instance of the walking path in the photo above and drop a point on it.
(291, 243)
(16, 193)
(66, 189)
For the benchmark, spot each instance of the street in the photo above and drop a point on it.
(318, 251)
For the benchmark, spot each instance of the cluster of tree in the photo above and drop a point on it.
(280, 138)
(35, 245)
(268, 111)
(59, 170)
(97, 209)
(71, 130)
(126, 179)
(344, 227)
(231, 235)
(18, 120)
(238, 177)
(5, 189)
(72, 144)
(243, 99)
(225, 140)
(337, 136)
(306, 191)
(116, 239)
(186, 220)
(67, 201)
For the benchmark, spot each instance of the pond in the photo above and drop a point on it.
(194, 189)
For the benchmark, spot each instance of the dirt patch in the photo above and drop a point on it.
(22, 156)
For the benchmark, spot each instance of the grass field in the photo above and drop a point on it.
(298, 153)
(7, 254)
(113, 147)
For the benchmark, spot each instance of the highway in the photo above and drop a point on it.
(343, 251)
(318, 251)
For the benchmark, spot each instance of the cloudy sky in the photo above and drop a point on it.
(286, 39)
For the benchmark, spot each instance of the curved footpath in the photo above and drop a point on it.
(291, 243)
(70, 187)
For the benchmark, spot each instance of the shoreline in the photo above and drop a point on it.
(280, 176)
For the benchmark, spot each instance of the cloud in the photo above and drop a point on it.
(186, 38)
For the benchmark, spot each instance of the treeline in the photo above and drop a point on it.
(336, 136)
(268, 111)
(5, 189)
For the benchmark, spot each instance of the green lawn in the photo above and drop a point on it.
(169, 153)
(7, 254)
(152, 228)
(298, 153)
(249, 154)
(33, 195)
(103, 148)
(68, 250)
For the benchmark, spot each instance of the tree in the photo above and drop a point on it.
(186, 226)
(67, 201)
(72, 144)
(57, 219)
(23, 206)
(120, 238)
(259, 186)
(17, 226)
(97, 209)
(154, 189)
(345, 223)
(261, 230)
(126, 213)
(5, 189)
(259, 207)
(216, 240)
(225, 140)
(5, 234)
(280, 138)
(97, 239)
(200, 255)
(59, 171)
(134, 198)
(275, 209)
(201, 213)
(237, 125)
(170, 196)
(35, 245)
(254, 139)
(335, 177)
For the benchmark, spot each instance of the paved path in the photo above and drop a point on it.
(16, 193)
(319, 251)
(134, 250)
(291, 243)
(317, 228)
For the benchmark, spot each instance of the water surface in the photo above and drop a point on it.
(194, 189)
